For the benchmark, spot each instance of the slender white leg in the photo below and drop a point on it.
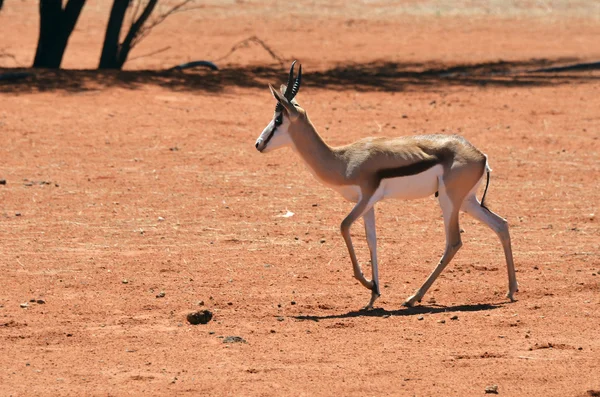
(370, 232)
(356, 213)
(500, 226)
(453, 244)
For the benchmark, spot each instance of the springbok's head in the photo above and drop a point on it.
(276, 134)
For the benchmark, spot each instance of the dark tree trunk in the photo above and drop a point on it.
(134, 30)
(114, 54)
(109, 59)
(56, 26)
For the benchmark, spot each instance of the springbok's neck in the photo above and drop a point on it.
(319, 156)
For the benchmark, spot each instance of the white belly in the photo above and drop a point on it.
(405, 188)
(411, 187)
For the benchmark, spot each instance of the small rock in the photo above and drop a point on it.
(420, 318)
(125, 281)
(161, 294)
(322, 241)
(32, 300)
(24, 305)
(493, 389)
(386, 316)
(293, 302)
(40, 301)
(161, 219)
(201, 317)
(234, 339)
(280, 318)
(442, 321)
(2, 181)
(455, 317)
(17, 214)
(200, 303)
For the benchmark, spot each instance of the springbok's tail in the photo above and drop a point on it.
(487, 170)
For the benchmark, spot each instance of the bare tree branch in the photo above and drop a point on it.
(145, 30)
(135, 12)
(134, 30)
(151, 53)
(253, 39)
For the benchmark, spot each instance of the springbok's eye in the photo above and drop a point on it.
(279, 119)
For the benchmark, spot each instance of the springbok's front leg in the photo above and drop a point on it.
(370, 232)
(357, 212)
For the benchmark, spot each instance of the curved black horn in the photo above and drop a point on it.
(290, 93)
(290, 82)
(297, 83)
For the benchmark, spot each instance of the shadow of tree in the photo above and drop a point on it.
(373, 76)
(407, 311)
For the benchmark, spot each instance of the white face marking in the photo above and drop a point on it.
(270, 140)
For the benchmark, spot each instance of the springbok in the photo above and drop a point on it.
(373, 169)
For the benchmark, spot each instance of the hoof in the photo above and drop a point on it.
(511, 293)
(412, 301)
(374, 296)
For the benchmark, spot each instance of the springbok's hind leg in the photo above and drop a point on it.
(500, 226)
(370, 232)
(453, 244)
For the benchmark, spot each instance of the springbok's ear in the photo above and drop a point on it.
(289, 108)
(277, 95)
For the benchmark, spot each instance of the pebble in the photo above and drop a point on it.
(200, 303)
(442, 321)
(2, 181)
(201, 317)
(420, 318)
(125, 281)
(455, 317)
(493, 389)
(24, 305)
(280, 318)
(161, 294)
(161, 219)
(234, 339)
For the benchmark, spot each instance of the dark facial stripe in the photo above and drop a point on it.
(270, 135)
(407, 170)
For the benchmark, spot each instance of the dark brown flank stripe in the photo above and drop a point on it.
(407, 170)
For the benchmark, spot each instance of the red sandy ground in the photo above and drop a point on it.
(117, 153)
